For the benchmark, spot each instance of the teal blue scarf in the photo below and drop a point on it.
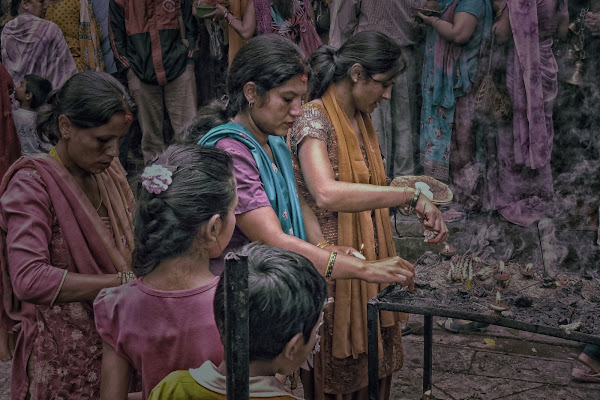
(288, 212)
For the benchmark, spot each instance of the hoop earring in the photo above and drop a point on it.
(250, 103)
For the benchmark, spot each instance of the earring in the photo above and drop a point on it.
(355, 80)
(65, 137)
(250, 103)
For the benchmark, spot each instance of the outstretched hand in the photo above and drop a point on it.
(431, 218)
(394, 269)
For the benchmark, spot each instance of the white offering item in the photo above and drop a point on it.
(358, 255)
(424, 189)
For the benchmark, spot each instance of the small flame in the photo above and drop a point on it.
(528, 267)
(362, 247)
(498, 297)
(446, 247)
(501, 266)
(427, 393)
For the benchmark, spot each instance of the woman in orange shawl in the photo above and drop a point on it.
(66, 232)
(339, 169)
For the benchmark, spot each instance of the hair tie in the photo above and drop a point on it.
(156, 178)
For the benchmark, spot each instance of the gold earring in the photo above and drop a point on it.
(250, 103)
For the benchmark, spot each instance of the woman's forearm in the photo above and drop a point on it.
(459, 31)
(84, 287)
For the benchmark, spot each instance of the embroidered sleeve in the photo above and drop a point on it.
(314, 122)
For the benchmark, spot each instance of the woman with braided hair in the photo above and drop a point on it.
(164, 321)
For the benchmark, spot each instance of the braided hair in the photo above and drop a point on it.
(166, 223)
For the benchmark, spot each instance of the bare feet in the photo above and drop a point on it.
(590, 362)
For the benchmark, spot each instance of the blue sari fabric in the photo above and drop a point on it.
(448, 73)
(277, 178)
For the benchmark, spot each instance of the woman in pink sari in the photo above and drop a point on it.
(519, 184)
(66, 233)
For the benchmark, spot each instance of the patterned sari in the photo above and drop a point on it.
(31, 45)
(48, 227)
(83, 34)
(448, 72)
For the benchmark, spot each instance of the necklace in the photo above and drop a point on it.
(55, 155)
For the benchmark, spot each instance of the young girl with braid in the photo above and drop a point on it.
(164, 320)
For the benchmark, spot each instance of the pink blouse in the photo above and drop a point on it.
(159, 331)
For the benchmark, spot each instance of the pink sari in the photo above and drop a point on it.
(298, 28)
(48, 227)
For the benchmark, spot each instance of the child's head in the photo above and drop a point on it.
(286, 298)
(33, 91)
(185, 205)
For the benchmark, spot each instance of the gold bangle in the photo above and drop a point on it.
(126, 277)
(322, 245)
(330, 264)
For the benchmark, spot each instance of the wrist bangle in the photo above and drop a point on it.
(322, 245)
(414, 201)
(330, 263)
(126, 277)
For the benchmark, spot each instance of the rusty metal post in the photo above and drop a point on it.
(236, 326)
(373, 348)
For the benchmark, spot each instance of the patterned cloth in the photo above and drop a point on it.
(48, 227)
(31, 45)
(521, 186)
(81, 30)
(298, 28)
(25, 121)
(448, 72)
(346, 374)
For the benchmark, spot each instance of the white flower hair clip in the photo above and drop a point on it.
(156, 178)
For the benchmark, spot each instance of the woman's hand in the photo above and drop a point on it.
(343, 249)
(431, 218)
(592, 22)
(394, 269)
(219, 13)
(428, 20)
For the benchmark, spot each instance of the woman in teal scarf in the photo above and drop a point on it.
(266, 82)
(452, 52)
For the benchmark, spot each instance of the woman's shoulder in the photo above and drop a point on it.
(314, 122)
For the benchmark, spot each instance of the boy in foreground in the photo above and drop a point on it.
(286, 298)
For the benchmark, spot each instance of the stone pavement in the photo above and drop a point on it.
(515, 365)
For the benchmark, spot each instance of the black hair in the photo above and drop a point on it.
(166, 223)
(89, 99)
(39, 88)
(209, 116)
(14, 7)
(286, 297)
(375, 51)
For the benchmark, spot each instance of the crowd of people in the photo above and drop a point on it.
(112, 292)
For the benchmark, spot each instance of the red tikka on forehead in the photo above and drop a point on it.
(304, 78)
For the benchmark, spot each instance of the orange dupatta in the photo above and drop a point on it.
(355, 229)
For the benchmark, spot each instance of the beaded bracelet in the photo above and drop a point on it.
(126, 276)
(414, 201)
(322, 245)
(330, 263)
